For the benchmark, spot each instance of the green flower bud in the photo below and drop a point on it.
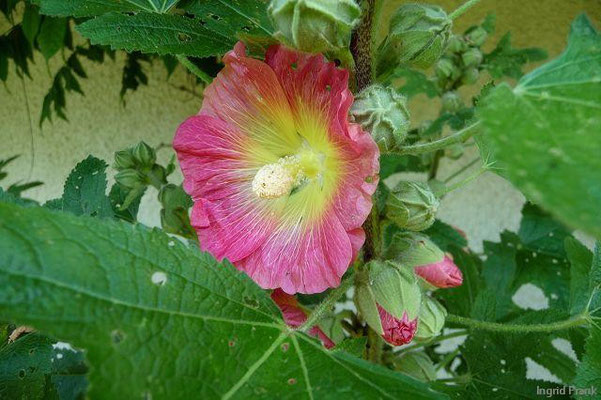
(315, 26)
(157, 176)
(457, 44)
(413, 249)
(432, 316)
(477, 36)
(412, 206)
(395, 288)
(470, 76)
(383, 112)
(418, 36)
(451, 102)
(124, 159)
(366, 301)
(472, 57)
(144, 154)
(446, 69)
(129, 178)
(417, 365)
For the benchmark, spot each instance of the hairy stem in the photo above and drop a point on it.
(203, 76)
(361, 47)
(461, 170)
(434, 340)
(326, 304)
(457, 137)
(462, 182)
(374, 351)
(576, 321)
(463, 8)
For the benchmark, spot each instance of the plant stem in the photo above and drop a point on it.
(576, 321)
(203, 76)
(463, 8)
(361, 43)
(435, 340)
(375, 342)
(462, 183)
(326, 304)
(457, 137)
(461, 170)
(447, 359)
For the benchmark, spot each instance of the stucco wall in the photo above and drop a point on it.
(99, 124)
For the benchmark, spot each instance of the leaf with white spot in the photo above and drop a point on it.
(545, 132)
(159, 319)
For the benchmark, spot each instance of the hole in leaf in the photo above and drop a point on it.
(291, 381)
(215, 17)
(117, 336)
(22, 374)
(246, 29)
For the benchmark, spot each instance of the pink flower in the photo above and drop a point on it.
(295, 316)
(397, 331)
(281, 180)
(443, 274)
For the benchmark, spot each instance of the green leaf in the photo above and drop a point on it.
(589, 371)
(85, 190)
(158, 318)
(155, 33)
(504, 60)
(445, 236)
(91, 8)
(545, 134)
(581, 260)
(232, 17)
(414, 83)
(542, 233)
(36, 367)
(52, 35)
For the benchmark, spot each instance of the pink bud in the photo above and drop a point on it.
(397, 331)
(443, 274)
(295, 316)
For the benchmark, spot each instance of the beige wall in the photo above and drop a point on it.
(100, 125)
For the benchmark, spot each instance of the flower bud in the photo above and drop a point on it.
(472, 57)
(451, 102)
(445, 68)
(397, 331)
(315, 26)
(388, 297)
(412, 206)
(124, 159)
(418, 36)
(129, 178)
(144, 154)
(431, 318)
(413, 249)
(470, 76)
(417, 365)
(441, 274)
(457, 44)
(383, 112)
(477, 36)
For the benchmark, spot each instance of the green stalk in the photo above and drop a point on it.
(326, 304)
(203, 76)
(579, 320)
(461, 170)
(463, 8)
(457, 137)
(462, 183)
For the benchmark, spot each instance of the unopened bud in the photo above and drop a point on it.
(451, 102)
(417, 37)
(144, 154)
(129, 178)
(432, 316)
(412, 206)
(383, 112)
(315, 26)
(441, 274)
(457, 44)
(477, 36)
(124, 159)
(413, 249)
(472, 57)
(470, 76)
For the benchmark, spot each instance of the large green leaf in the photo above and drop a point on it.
(160, 319)
(545, 132)
(232, 16)
(150, 32)
(88, 8)
(589, 371)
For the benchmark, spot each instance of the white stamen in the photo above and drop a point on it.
(274, 180)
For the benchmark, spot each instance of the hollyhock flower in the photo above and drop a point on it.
(281, 180)
(443, 274)
(397, 331)
(295, 316)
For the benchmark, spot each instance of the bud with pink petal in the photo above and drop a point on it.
(442, 274)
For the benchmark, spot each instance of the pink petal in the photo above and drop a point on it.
(295, 316)
(397, 331)
(443, 274)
